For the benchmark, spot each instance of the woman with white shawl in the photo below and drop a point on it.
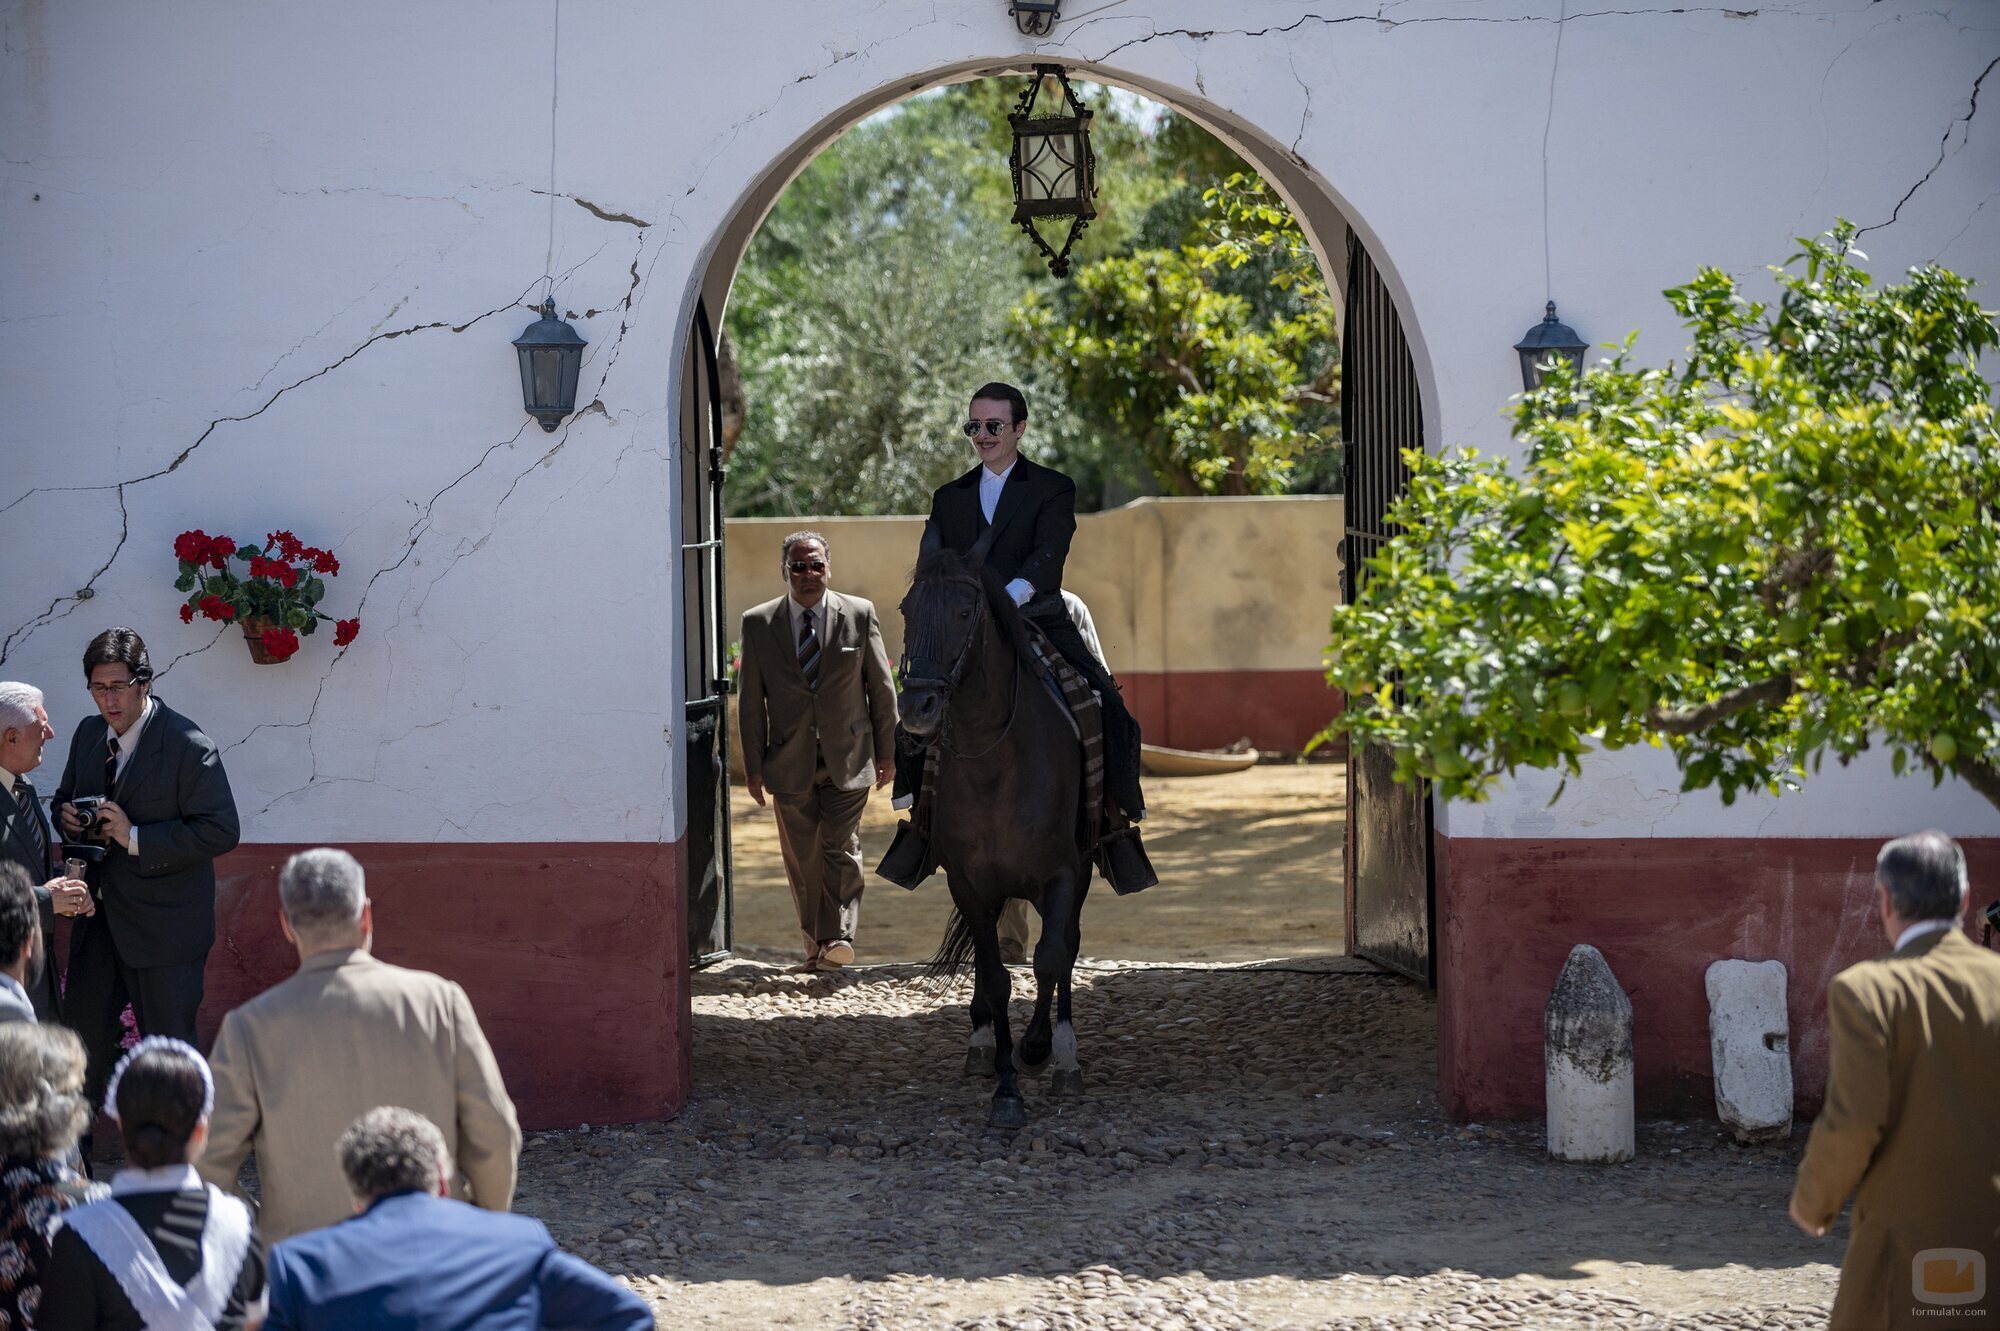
(164, 1252)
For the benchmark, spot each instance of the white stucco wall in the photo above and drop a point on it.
(259, 267)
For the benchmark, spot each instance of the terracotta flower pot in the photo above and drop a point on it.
(253, 633)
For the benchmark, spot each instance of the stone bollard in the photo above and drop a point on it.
(1587, 1058)
(1749, 1037)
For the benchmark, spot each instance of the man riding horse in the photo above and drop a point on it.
(1018, 517)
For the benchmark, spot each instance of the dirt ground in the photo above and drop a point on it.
(1249, 865)
(1256, 1148)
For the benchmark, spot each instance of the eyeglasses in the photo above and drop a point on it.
(801, 565)
(993, 428)
(112, 690)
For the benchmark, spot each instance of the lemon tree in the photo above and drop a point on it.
(1784, 547)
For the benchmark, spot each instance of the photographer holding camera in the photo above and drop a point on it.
(145, 784)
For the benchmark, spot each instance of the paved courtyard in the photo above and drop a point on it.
(1258, 1148)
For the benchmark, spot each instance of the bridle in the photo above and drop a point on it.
(951, 678)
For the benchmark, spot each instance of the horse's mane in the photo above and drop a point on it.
(941, 564)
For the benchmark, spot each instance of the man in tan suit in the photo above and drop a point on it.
(818, 712)
(302, 1060)
(1912, 1101)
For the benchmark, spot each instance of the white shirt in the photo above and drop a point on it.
(799, 619)
(128, 744)
(991, 483)
(1920, 928)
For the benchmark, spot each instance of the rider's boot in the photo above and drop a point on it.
(909, 860)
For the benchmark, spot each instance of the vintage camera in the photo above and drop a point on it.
(90, 812)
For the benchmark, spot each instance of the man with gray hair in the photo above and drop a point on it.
(295, 1064)
(818, 712)
(26, 837)
(412, 1258)
(1908, 1124)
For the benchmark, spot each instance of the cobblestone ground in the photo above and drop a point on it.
(1256, 1149)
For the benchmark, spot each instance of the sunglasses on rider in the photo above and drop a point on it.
(993, 428)
(801, 565)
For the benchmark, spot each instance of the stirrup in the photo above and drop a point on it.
(909, 861)
(1122, 859)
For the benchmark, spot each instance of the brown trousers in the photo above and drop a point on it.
(820, 835)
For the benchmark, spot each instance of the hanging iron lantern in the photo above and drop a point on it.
(551, 358)
(1035, 17)
(1055, 172)
(1545, 341)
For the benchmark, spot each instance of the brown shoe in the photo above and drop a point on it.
(834, 955)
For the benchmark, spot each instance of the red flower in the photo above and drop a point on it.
(281, 643)
(214, 607)
(191, 546)
(287, 545)
(219, 551)
(277, 570)
(187, 614)
(344, 631)
(324, 562)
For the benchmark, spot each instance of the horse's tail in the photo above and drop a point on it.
(954, 951)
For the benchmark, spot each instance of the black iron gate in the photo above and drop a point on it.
(1391, 890)
(705, 651)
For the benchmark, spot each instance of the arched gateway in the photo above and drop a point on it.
(286, 303)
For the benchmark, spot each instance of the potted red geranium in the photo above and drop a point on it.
(274, 598)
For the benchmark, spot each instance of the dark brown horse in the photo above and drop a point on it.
(1003, 811)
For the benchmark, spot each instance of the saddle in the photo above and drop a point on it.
(1103, 832)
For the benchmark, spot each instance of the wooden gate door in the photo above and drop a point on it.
(705, 649)
(1391, 888)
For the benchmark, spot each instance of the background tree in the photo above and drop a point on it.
(1783, 548)
(886, 278)
(1215, 359)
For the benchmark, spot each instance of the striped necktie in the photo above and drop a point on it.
(110, 765)
(809, 651)
(31, 809)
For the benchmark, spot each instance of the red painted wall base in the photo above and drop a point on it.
(574, 956)
(1278, 710)
(1661, 911)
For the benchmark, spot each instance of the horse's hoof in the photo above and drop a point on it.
(1066, 1082)
(979, 1061)
(1008, 1114)
(1026, 1060)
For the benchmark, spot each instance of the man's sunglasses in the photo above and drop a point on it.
(993, 428)
(801, 565)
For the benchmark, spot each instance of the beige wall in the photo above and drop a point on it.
(1174, 585)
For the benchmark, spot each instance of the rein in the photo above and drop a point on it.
(957, 672)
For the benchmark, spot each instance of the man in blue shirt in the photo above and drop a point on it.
(411, 1257)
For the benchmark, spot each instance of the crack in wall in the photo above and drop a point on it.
(88, 590)
(1381, 19)
(1944, 150)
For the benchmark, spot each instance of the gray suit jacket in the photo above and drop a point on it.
(160, 907)
(17, 846)
(13, 1005)
(789, 730)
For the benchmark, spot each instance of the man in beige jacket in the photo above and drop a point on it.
(818, 712)
(301, 1061)
(1911, 1098)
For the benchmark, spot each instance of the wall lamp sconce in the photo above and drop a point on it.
(1035, 18)
(1541, 345)
(551, 358)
